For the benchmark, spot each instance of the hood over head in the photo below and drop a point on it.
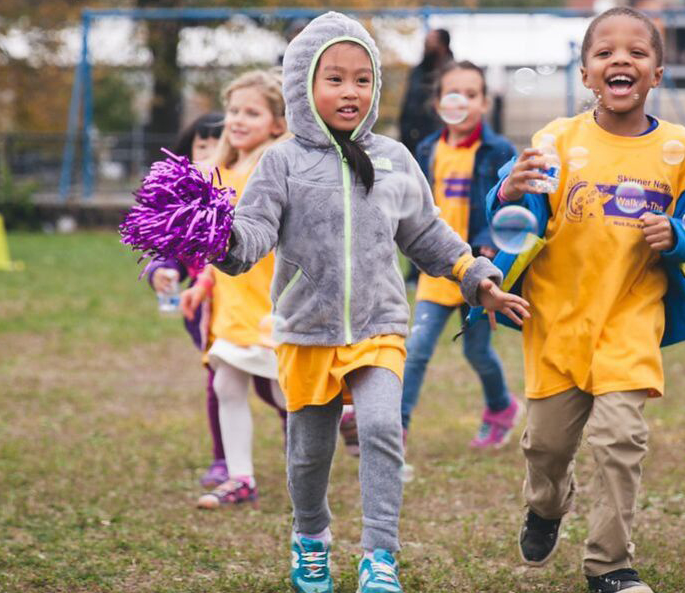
(299, 64)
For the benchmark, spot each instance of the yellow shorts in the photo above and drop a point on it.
(314, 375)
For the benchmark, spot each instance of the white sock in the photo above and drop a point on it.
(324, 536)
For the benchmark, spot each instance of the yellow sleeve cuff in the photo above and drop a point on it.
(462, 265)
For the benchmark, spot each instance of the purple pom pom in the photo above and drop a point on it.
(179, 214)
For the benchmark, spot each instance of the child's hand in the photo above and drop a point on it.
(487, 251)
(164, 278)
(657, 231)
(191, 299)
(526, 169)
(493, 299)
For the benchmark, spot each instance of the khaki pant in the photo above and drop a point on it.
(617, 435)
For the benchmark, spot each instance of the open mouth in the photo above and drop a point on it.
(621, 84)
(348, 111)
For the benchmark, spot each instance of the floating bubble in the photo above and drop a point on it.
(630, 197)
(453, 108)
(578, 157)
(272, 330)
(673, 152)
(514, 229)
(546, 69)
(525, 80)
(588, 106)
(398, 195)
(407, 474)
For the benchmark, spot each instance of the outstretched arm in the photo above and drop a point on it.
(257, 217)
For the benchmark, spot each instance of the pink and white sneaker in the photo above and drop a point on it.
(496, 427)
(234, 491)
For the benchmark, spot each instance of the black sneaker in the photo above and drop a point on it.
(538, 539)
(623, 579)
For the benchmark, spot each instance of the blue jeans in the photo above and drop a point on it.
(429, 321)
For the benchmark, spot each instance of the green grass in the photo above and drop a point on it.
(103, 437)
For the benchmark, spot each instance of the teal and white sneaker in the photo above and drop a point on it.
(310, 570)
(378, 573)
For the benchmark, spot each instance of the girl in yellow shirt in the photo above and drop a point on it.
(461, 162)
(238, 345)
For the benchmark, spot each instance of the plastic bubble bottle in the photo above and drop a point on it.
(552, 166)
(169, 301)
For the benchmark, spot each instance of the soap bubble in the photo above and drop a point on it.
(546, 69)
(630, 197)
(407, 474)
(272, 330)
(577, 157)
(673, 152)
(588, 105)
(398, 195)
(525, 80)
(514, 229)
(453, 108)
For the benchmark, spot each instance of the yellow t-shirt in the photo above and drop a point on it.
(596, 288)
(314, 375)
(453, 169)
(241, 303)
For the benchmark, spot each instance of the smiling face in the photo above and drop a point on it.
(343, 86)
(621, 64)
(249, 120)
(468, 83)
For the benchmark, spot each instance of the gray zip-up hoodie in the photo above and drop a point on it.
(337, 279)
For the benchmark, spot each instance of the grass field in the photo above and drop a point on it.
(103, 437)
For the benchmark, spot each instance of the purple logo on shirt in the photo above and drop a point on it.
(457, 187)
(629, 206)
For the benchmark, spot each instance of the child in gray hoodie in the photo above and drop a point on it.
(322, 199)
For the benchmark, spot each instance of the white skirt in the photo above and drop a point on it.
(256, 360)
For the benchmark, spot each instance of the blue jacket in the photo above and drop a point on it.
(513, 266)
(494, 151)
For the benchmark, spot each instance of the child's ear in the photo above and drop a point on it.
(658, 75)
(279, 127)
(583, 76)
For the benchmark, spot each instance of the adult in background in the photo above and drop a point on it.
(418, 118)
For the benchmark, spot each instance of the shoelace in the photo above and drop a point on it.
(231, 487)
(619, 576)
(314, 563)
(384, 572)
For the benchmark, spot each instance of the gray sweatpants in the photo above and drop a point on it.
(312, 435)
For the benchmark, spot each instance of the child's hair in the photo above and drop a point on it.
(655, 36)
(270, 84)
(462, 65)
(209, 125)
(356, 157)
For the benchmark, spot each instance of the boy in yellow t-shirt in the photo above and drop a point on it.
(461, 163)
(591, 345)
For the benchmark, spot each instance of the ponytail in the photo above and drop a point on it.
(356, 157)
